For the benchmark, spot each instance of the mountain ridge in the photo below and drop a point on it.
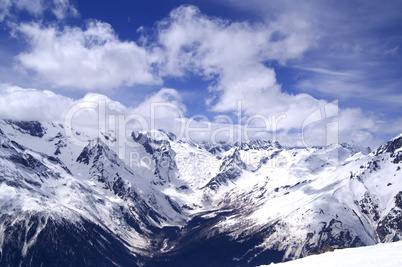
(180, 201)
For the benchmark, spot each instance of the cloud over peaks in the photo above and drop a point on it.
(236, 59)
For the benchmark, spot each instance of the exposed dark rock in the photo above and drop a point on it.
(34, 128)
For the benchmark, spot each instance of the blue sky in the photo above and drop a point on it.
(277, 57)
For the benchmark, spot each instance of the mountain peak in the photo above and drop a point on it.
(355, 147)
(391, 146)
(156, 135)
(93, 151)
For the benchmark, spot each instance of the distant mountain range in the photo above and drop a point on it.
(180, 203)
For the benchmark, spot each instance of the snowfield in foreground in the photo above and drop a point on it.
(388, 254)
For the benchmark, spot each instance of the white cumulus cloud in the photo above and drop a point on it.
(91, 58)
(235, 57)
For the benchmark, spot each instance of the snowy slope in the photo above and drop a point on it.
(100, 192)
(372, 256)
(96, 165)
(42, 204)
(296, 200)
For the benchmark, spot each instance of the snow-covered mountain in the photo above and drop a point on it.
(174, 202)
